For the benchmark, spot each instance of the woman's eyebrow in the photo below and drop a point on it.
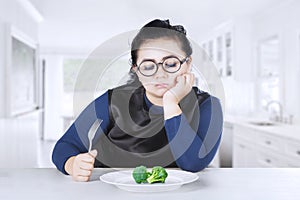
(170, 56)
(163, 58)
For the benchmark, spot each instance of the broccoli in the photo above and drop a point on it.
(158, 175)
(140, 174)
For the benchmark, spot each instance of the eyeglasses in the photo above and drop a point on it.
(169, 64)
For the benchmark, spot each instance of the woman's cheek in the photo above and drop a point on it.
(174, 80)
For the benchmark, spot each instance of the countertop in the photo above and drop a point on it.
(213, 183)
(280, 129)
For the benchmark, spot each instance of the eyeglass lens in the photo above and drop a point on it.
(149, 68)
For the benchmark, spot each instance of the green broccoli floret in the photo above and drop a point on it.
(158, 175)
(140, 174)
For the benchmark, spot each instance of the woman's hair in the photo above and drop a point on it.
(154, 30)
(160, 29)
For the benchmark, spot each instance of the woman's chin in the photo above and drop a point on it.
(159, 93)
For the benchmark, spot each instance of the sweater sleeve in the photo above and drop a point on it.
(75, 139)
(192, 150)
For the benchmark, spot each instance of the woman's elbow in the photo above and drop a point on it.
(194, 167)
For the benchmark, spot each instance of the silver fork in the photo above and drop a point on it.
(92, 132)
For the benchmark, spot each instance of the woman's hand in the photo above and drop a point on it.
(80, 167)
(184, 84)
(174, 95)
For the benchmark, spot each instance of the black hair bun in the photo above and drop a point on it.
(158, 23)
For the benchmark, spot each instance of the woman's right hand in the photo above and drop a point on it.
(80, 167)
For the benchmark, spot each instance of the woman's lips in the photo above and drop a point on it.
(161, 85)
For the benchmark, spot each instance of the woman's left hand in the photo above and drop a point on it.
(183, 86)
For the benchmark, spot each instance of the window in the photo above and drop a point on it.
(268, 72)
(71, 68)
(22, 94)
(78, 73)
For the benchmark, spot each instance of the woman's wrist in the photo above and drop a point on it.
(69, 165)
(170, 98)
(171, 110)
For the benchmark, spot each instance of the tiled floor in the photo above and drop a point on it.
(44, 153)
(20, 144)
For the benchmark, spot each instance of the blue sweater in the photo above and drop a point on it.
(203, 144)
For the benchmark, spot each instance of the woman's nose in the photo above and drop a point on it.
(161, 73)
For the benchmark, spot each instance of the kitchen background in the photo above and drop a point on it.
(255, 46)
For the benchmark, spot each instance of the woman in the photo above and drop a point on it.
(158, 118)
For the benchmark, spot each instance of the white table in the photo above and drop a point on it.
(213, 183)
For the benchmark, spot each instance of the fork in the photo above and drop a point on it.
(92, 132)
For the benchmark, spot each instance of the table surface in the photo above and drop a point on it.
(213, 183)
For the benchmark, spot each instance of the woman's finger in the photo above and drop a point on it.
(93, 153)
(86, 166)
(81, 178)
(180, 79)
(187, 79)
(86, 173)
(193, 79)
(87, 158)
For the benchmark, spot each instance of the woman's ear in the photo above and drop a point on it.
(189, 63)
(133, 68)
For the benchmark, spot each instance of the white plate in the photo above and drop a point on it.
(125, 181)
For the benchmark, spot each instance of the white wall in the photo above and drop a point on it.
(53, 128)
(241, 82)
(12, 13)
(283, 20)
(2, 67)
(18, 136)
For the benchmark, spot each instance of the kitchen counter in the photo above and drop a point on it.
(213, 183)
(280, 129)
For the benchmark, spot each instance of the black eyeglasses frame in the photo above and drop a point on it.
(161, 63)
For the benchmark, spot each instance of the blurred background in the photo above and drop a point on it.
(254, 45)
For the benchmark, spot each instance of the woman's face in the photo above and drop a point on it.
(157, 50)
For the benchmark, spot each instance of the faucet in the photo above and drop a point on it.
(277, 118)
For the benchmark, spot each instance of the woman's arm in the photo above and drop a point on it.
(75, 140)
(192, 150)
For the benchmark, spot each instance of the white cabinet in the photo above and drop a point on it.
(255, 148)
(225, 150)
(244, 145)
(292, 148)
(221, 47)
(244, 154)
(265, 158)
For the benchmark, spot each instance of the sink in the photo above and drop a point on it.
(262, 123)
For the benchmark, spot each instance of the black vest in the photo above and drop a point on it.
(136, 135)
